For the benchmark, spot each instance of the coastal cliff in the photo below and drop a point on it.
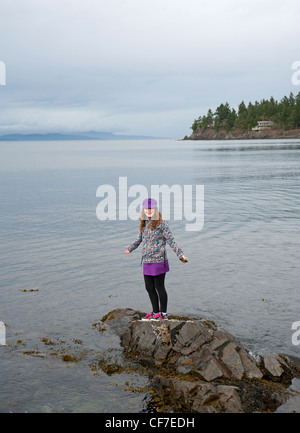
(259, 120)
(223, 134)
(193, 366)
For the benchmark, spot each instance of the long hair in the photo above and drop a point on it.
(155, 220)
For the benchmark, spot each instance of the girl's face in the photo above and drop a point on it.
(149, 212)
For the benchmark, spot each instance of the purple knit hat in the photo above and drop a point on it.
(149, 203)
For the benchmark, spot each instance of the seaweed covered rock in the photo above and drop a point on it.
(198, 367)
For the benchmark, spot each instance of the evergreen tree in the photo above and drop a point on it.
(210, 117)
(231, 119)
(296, 111)
(221, 115)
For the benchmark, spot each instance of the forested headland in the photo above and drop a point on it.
(227, 122)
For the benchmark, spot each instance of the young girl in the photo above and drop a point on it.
(154, 233)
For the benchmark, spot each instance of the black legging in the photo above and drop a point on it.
(155, 287)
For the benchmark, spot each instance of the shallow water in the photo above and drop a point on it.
(243, 269)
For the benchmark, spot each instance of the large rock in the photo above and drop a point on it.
(191, 347)
(202, 367)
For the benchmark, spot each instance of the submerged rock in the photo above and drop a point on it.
(199, 396)
(198, 367)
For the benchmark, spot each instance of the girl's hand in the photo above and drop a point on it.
(184, 259)
(127, 252)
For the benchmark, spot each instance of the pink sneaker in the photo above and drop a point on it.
(160, 316)
(148, 316)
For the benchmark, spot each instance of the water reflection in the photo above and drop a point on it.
(238, 146)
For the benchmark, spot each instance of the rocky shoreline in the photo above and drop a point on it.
(212, 134)
(194, 366)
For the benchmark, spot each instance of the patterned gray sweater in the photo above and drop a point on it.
(154, 243)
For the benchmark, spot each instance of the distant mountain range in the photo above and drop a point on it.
(88, 135)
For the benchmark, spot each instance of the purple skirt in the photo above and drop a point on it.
(155, 268)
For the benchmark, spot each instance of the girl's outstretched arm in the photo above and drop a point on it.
(171, 241)
(134, 245)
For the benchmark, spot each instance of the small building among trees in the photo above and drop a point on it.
(263, 124)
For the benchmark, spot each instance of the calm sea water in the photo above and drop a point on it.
(62, 269)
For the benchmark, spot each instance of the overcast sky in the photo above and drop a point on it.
(145, 67)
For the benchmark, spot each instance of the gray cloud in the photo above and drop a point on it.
(140, 67)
